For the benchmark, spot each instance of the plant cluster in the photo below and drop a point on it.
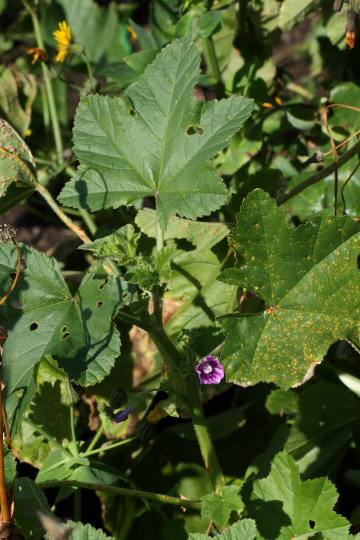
(191, 353)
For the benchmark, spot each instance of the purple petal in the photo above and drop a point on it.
(124, 414)
(209, 370)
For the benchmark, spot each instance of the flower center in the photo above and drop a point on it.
(207, 368)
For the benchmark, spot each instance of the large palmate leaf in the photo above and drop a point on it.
(288, 508)
(43, 317)
(310, 280)
(158, 140)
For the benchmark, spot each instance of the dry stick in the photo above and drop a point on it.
(17, 274)
(7, 430)
(321, 174)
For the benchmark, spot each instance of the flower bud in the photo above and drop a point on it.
(70, 396)
(118, 398)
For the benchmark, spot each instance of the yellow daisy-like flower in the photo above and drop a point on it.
(64, 39)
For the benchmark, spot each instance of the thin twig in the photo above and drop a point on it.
(314, 179)
(17, 274)
(7, 430)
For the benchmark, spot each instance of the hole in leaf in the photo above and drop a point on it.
(17, 305)
(99, 304)
(64, 328)
(23, 264)
(13, 275)
(66, 335)
(133, 113)
(125, 295)
(65, 297)
(104, 283)
(195, 130)
(311, 523)
(34, 326)
(358, 261)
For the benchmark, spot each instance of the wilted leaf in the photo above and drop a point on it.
(17, 168)
(17, 111)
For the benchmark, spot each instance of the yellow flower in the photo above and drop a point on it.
(132, 32)
(38, 54)
(64, 39)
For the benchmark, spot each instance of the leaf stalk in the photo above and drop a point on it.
(165, 499)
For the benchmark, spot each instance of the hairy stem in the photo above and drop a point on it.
(202, 433)
(165, 499)
(109, 267)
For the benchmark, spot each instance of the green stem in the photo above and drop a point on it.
(105, 448)
(88, 219)
(47, 436)
(73, 435)
(165, 499)
(48, 85)
(314, 179)
(190, 386)
(98, 435)
(77, 505)
(202, 433)
(159, 237)
(213, 65)
(88, 65)
(135, 321)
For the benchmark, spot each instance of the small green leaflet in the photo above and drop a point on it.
(220, 505)
(311, 282)
(120, 245)
(43, 317)
(144, 144)
(153, 270)
(287, 507)
(242, 530)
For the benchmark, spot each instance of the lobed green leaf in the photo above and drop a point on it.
(158, 140)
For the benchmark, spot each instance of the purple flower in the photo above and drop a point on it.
(210, 370)
(124, 414)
